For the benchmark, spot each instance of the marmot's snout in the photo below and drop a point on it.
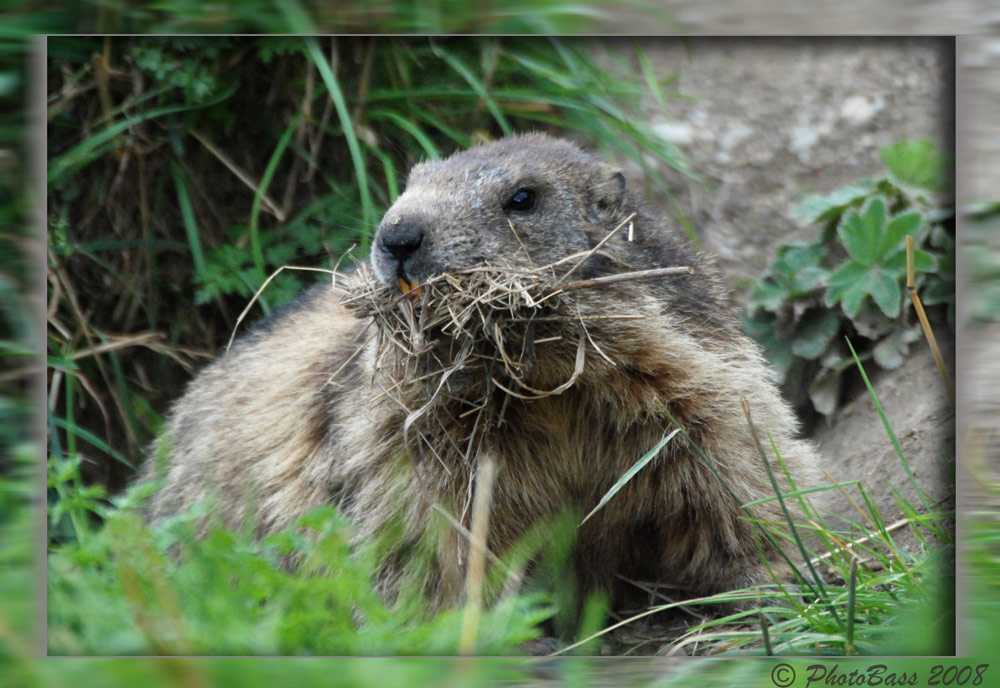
(405, 251)
(397, 254)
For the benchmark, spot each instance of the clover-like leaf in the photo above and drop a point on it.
(860, 232)
(850, 284)
(871, 323)
(797, 256)
(877, 263)
(799, 264)
(916, 163)
(940, 291)
(768, 294)
(885, 290)
(842, 281)
(922, 262)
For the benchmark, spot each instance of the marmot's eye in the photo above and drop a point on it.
(524, 200)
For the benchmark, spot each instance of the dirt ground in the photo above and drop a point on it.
(770, 121)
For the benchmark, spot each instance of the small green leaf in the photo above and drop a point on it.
(885, 291)
(853, 297)
(767, 294)
(896, 263)
(845, 277)
(899, 227)
(795, 257)
(871, 322)
(860, 232)
(939, 291)
(819, 208)
(916, 163)
(807, 279)
(890, 352)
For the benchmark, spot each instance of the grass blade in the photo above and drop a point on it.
(90, 148)
(410, 128)
(337, 95)
(478, 86)
(73, 429)
(261, 192)
(888, 428)
(630, 473)
(852, 590)
(190, 223)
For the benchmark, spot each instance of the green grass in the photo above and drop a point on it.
(170, 208)
(309, 17)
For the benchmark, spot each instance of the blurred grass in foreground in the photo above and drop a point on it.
(353, 16)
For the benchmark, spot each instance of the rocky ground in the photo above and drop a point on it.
(770, 121)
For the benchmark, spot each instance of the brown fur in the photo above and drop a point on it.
(295, 415)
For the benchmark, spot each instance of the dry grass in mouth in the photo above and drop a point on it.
(479, 318)
(480, 323)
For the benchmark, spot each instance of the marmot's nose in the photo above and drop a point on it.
(401, 239)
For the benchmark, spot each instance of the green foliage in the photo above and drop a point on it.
(852, 280)
(917, 165)
(137, 196)
(876, 266)
(191, 586)
(313, 17)
(181, 64)
(982, 563)
(19, 368)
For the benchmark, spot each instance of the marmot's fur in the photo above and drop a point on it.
(297, 413)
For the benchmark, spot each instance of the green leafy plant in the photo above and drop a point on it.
(852, 280)
(192, 586)
(876, 264)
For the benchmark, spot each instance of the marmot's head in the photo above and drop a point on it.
(523, 202)
(519, 205)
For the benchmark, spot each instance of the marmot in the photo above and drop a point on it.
(308, 409)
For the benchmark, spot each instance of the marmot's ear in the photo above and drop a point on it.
(608, 192)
